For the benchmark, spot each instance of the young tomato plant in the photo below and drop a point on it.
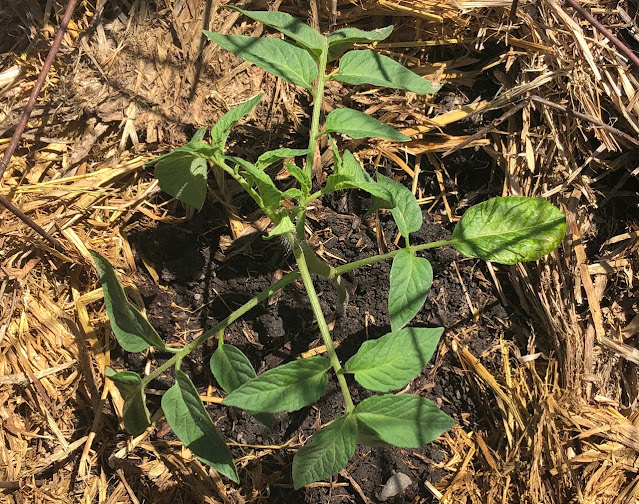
(503, 230)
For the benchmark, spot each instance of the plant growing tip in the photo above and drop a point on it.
(505, 230)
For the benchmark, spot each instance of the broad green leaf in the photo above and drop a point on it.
(135, 414)
(406, 421)
(271, 195)
(510, 230)
(406, 212)
(220, 132)
(288, 387)
(357, 125)
(183, 176)
(293, 192)
(349, 174)
(303, 34)
(276, 56)
(327, 453)
(369, 67)
(301, 176)
(182, 172)
(392, 361)
(284, 226)
(131, 329)
(191, 423)
(341, 40)
(231, 368)
(270, 157)
(410, 280)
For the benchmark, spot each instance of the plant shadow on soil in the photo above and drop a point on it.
(200, 285)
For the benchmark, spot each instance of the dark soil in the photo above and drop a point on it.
(200, 284)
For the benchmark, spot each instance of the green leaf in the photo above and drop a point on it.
(135, 414)
(368, 437)
(131, 329)
(182, 172)
(270, 157)
(199, 136)
(369, 67)
(392, 361)
(288, 387)
(191, 423)
(406, 212)
(327, 454)
(410, 280)
(284, 225)
(303, 34)
(222, 128)
(406, 421)
(349, 174)
(276, 56)
(510, 230)
(231, 368)
(301, 176)
(341, 40)
(357, 125)
(271, 195)
(183, 176)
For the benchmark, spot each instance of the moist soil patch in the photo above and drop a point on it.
(201, 276)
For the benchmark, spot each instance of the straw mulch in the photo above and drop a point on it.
(133, 79)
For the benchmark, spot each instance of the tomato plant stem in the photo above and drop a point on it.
(318, 95)
(323, 326)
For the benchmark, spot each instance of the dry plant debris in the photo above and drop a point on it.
(134, 79)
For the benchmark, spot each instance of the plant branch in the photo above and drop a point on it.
(345, 268)
(251, 303)
(323, 326)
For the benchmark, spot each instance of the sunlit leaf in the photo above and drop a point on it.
(303, 34)
(357, 125)
(406, 212)
(222, 128)
(406, 420)
(276, 56)
(510, 230)
(392, 361)
(131, 329)
(349, 174)
(288, 387)
(301, 176)
(369, 67)
(270, 157)
(410, 280)
(271, 196)
(342, 40)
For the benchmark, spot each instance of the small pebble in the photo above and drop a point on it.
(397, 483)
